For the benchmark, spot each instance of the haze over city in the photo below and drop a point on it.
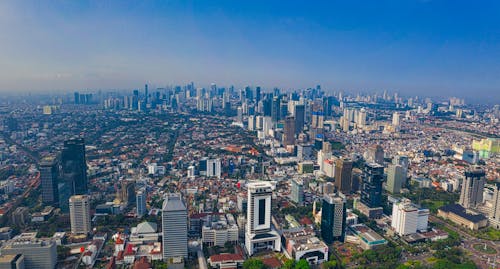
(412, 47)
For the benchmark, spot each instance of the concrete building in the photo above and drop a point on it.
(214, 168)
(220, 229)
(407, 218)
(302, 243)
(38, 254)
(174, 223)
(79, 213)
(49, 176)
(20, 216)
(259, 233)
(12, 261)
(461, 216)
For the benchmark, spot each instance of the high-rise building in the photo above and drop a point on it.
(74, 165)
(38, 253)
(343, 175)
(49, 174)
(494, 214)
(300, 114)
(395, 178)
(371, 188)
(376, 154)
(259, 234)
(395, 119)
(472, 188)
(14, 261)
(140, 199)
(79, 213)
(214, 168)
(333, 218)
(407, 218)
(289, 132)
(297, 193)
(174, 222)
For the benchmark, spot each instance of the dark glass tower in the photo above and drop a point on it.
(300, 113)
(74, 165)
(49, 174)
(333, 218)
(371, 190)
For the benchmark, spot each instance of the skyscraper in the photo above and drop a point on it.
(333, 218)
(289, 132)
(74, 165)
(79, 213)
(371, 189)
(38, 253)
(140, 198)
(407, 218)
(395, 178)
(259, 234)
(343, 175)
(494, 214)
(297, 193)
(472, 188)
(174, 223)
(49, 173)
(376, 154)
(299, 118)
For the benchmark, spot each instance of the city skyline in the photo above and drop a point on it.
(413, 48)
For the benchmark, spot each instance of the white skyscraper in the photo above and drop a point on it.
(251, 123)
(408, 218)
(395, 119)
(79, 212)
(259, 234)
(174, 223)
(214, 168)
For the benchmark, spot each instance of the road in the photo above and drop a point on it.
(481, 259)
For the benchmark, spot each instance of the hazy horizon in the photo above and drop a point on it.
(429, 48)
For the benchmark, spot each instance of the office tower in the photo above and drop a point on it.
(20, 216)
(283, 109)
(257, 94)
(140, 200)
(395, 119)
(49, 174)
(74, 165)
(239, 114)
(126, 192)
(174, 223)
(77, 98)
(214, 168)
(327, 147)
(259, 234)
(251, 123)
(472, 188)
(376, 154)
(275, 109)
(395, 178)
(407, 218)
(333, 218)
(328, 188)
(343, 175)
(38, 254)
(289, 132)
(267, 124)
(297, 193)
(79, 213)
(403, 161)
(371, 188)
(299, 118)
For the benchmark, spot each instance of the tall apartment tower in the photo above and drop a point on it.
(395, 178)
(371, 189)
(49, 174)
(343, 175)
(297, 193)
(174, 223)
(333, 218)
(259, 234)
(494, 215)
(79, 213)
(472, 188)
(74, 165)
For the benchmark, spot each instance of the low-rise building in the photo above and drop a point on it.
(302, 243)
(459, 215)
(365, 237)
(219, 230)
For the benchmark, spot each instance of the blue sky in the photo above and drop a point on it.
(413, 47)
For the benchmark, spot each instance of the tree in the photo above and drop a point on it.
(302, 264)
(289, 264)
(330, 265)
(253, 263)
